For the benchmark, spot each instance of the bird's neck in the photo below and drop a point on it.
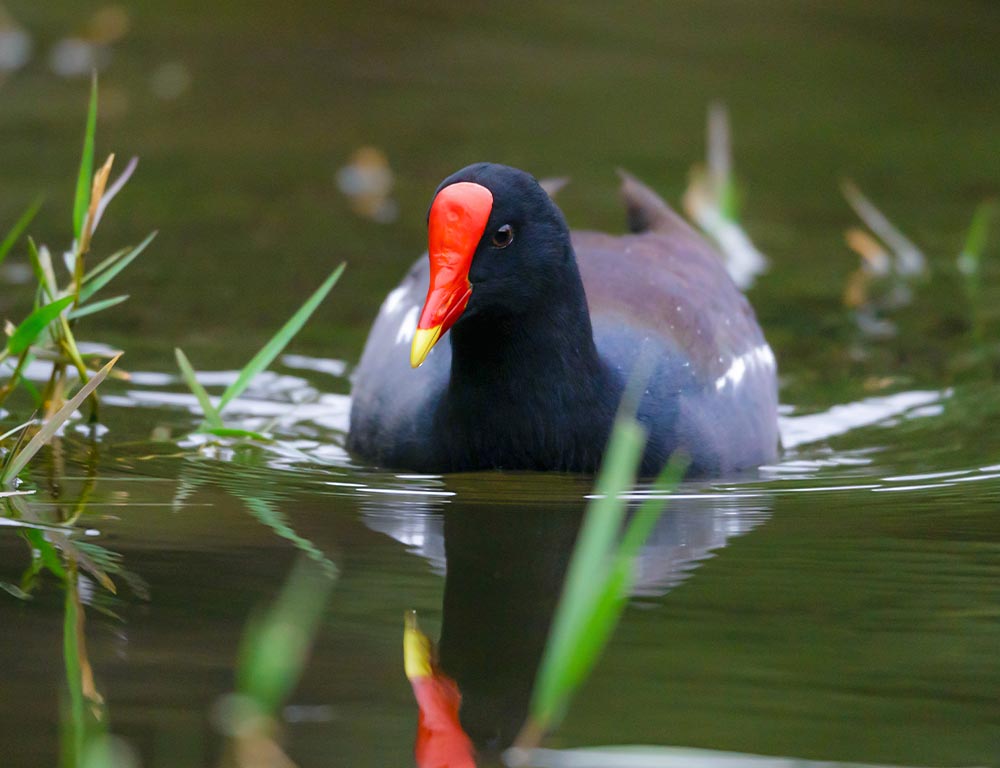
(529, 388)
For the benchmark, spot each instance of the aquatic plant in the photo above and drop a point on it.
(600, 575)
(273, 655)
(212, 412)
(969, 263)
(19, 456)
(712, 202)
(596, 588)
(48, 331)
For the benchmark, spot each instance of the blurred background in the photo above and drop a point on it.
(278, 139)
(243, 114)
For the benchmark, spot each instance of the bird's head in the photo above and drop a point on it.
(497, 244)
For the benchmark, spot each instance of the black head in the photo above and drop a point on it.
(498, 246)
(525, 244)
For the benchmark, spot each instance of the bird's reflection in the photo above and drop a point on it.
(504, 565)
(505, 572)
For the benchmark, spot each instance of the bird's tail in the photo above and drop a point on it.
(647, 211)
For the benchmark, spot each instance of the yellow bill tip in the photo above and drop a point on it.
(417, 649)
(423, 341)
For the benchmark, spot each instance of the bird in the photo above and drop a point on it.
(511, 343)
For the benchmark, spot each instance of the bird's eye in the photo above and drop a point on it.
(504, 236)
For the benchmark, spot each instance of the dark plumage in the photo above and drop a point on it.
(532, 372)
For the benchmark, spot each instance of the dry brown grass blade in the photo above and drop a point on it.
(100, 183)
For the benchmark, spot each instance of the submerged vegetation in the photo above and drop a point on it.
(213, 423)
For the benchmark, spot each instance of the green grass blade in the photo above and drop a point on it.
(109, 273)
(607, 606)
(33, 325)
(975, 239)
(267, 513)
(240, 434)
(18, 229)
(52, 425)
(212, 417)
(590, 637)
(45, 552)
(41, 263)
(83, 180)
(274, 347)
(276, 645)
(644, 521)
(587, 579)
(97, 306)
(104, 264)
(14, 431)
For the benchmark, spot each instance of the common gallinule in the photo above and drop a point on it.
(545, 330)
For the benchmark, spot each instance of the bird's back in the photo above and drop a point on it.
(712, 384)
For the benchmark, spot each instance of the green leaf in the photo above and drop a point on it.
(104, 264)
(41, 263)
(83, 180)
(108, 274)
(238, 433)
(606, 606)
(96, 307)
(586, 587)
(212, 417)
(75, 738)
(276, 644)
(274, 347)
(644, 521)
(52, 425)
(268, 514)
(18, 229)
(32, 326)
(601, 571)
(46, 552)
(975, 239)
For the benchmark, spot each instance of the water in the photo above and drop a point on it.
(841, 605)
